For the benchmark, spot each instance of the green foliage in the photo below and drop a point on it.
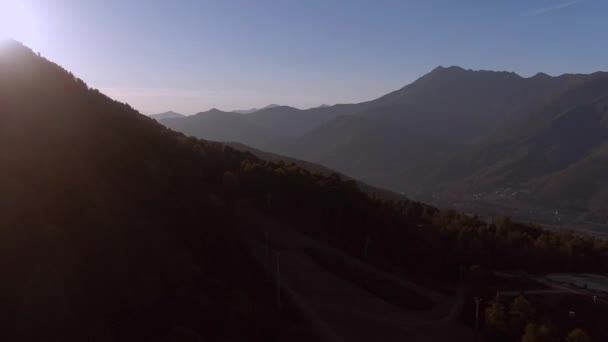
(406, 231)
(540, 333)
(496, 319)
(520, 313)
(578, 335)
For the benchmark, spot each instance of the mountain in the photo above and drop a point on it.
(253, 110)
(260, 129)
(453, 136)
(223, 126)
(166, 115)
(117, 228)
(361, 147)
(113, 227)
(552, 159)
(431, 118)
(438, 137)
(488, 142)
(461, 105)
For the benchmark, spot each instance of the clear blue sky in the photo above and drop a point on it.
(191, 55)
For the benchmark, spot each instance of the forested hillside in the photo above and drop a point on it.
(115, 226)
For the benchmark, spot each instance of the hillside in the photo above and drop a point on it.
(551, 159)
(116, 228)
(113, 227)
(318, 169)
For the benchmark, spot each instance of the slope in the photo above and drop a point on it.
(114, 227)
(430, 119)
(552, 159)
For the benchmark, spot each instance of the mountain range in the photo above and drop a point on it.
(479, 140)
(115, 228)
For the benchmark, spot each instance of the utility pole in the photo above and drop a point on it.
(478, 301)
(267, 241)
(366, 246)
(278, 273)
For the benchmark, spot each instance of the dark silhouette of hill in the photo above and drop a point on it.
(116, 228)
(166, 115)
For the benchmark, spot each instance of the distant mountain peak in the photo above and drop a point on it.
(169, 112)
(459, 70)
(541, 75)
(449, 68)
(253, 110)
(166, 115)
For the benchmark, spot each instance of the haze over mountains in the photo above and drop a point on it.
(454, 136)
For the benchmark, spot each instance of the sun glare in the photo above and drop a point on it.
(16, 21)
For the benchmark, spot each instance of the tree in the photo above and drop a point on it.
(520, 313)
(540, 333)
(496, 318)
(578, 335)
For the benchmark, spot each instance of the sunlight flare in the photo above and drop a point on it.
(16, 21)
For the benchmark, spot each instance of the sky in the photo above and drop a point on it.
(193, 55)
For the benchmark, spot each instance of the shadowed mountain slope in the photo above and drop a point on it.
(553, 158)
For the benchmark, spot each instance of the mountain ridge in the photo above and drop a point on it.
(393, 140)
(166, 115)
